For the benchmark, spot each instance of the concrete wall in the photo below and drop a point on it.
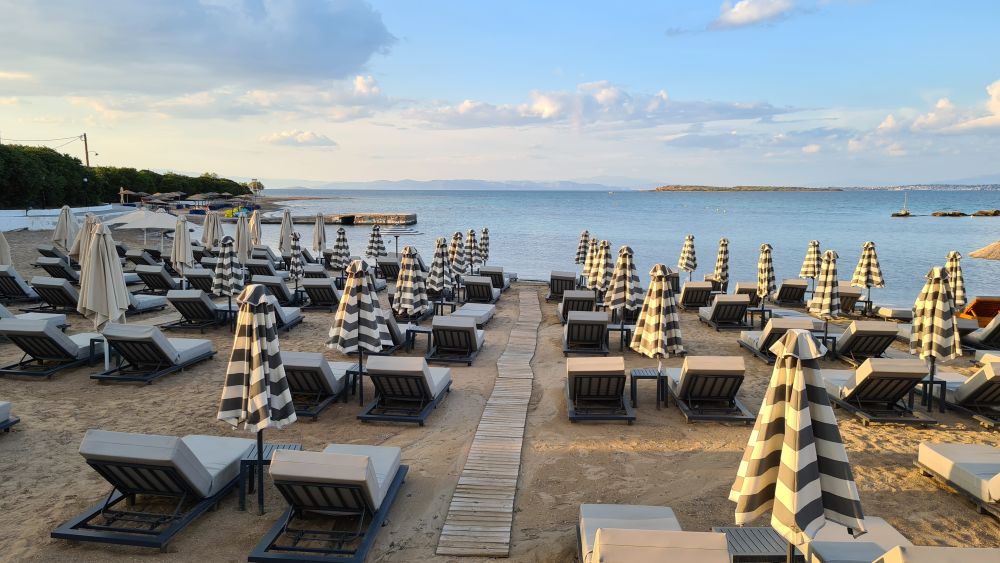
(40, 219)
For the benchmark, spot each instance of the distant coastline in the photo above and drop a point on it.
(688, 188)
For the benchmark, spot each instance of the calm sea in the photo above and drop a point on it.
(532, 233)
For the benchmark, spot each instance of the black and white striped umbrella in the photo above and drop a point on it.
(359, 324)
(795, 464)
(721, 273)
(658, 328)
(934, 335)
(376, 246)
(295, 269)
(441, 275)
(341, 251)
(472, 250)
(456, 255)
(813, 261)
(581, 248)
(601, 268)
(411, 288)
(765, 273)
(227, 279)
(589, 261)
(624, 292)
(868, 273)
(955, 279)
(484, 245)
(256, 393)
(688, 260)
(826, 297)
(319, 233)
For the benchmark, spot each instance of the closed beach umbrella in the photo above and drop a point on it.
(934, 335)
(211, 232)
(242, 243)
(83, 235)
(4, 251)
(472, 250)
(253, 225)
(624, 292)
(295, 270)
(484, 245)
(765, 274)
(256, 393)
(411, 288)
(103, 295)
(66, 229)
(376, 246)
(602, 268)
(721, 273)
(658, 328)
(812, 263)
(826, 297)
(688, 260)
(285, 234)
(456, 255)
(341, 251)
(441, 275)
(227, 278)
(795, 464)
(956, 280)
(581, 247)
(868, 273)
(589, 262)
(319, 233)
(181, 253)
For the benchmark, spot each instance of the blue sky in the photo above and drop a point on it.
(814, 92)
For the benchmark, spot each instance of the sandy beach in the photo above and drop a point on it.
(660, 460)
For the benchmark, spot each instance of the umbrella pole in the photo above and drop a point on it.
(928, 397)
(361, 379)
(790, 554)
(260, 472)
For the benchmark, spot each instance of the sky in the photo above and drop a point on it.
(786, 92)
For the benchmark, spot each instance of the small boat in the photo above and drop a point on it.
(904, 212)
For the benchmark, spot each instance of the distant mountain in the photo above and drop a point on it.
(473, 185)
(977, 180)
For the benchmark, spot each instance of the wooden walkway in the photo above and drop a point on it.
(482, 508)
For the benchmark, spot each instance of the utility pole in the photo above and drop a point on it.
(86, 150)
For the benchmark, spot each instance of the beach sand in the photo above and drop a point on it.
(660, 460)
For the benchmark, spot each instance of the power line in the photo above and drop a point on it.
(75, 137)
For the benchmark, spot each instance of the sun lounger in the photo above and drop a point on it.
(750, 290)
(141, 257)
(674, 280)
(716, 284)
(791, 292)
(479, 289)
(726, 312)
(314, 381)
(276, 287)
(13, 287)
(264, 252)
(938, 554)
(983, 309)
(139, 304)
(585, 332)
(351, 488)
(308, 258)
(623, 533)
(285, 317)
(209, 263)
(56, 318)
(6, 418)
(865, 339)
(157, 280)
(200, 253)
(875, 392)
(455, 339)
(314, 271)
(57, 293)
(977, 395)
(200, 278)
(559, 283)
(58, 268)
(482, 313)
(895, 313)
(695, 295)
(971, 469)
(834, 544)
(576, 300)
(985, 338)
(705, 388)
(595, 390)
(496, 275)
(759, 342)
(322, 293)
(406, 389)
(145, 354)
(47, 349)
(198, 310)
(387, 267)
(51, 251)
(849, 296)
(194, 473)
(262, 267)
(398, 338)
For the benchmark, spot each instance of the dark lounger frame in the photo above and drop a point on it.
(607, 402)
(401, 398)
(309, 394)
(712, 399)
(52, 362)
(981, 507)
(142, 362)
(888, 407)
(5, 425)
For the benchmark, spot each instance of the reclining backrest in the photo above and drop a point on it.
(777, 327)
(730, 307)
(586, 327)
(141, 345)
(885, 380)
(193, 304)
(578, 300)
(478, 288)
(140, 257)
(982, 388)
(41, 340)
(307, 372)
(696, 292)
(495, 273)
(275, 285)
(314, 271)
(261, 267)
(264, 252)
(394, 332)
(990, 335)
(322, 290)
(389, 265)
(596, 377)
(613, 545)
(867, 338)
(454, 333)
(58, 268)
(711, 377)
(561, 282)
(331, 482)
(156, 277)
(51, 251)
(750, 290)
(55, 291)
(792, 290)
(12, 284)
(400, 377)
(200, 278)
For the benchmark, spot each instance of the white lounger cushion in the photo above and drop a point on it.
(622, 516)
(55, 283)
(207, 463)
(973, 467)
(75, 345)
(71, 274)
(198, 295)
(332, 374)
(897, 313)
(9, 271)
(458, 323)
(928, 554)
(436, 379)
(679, 379)
(833, 544)
(481, 312)
(370, 467)
(613, 545)
(385, 461)
(4, 411)
(178, 350)
(858, 329)
(146, 302)
(841, 383)
(980, 337)
(754, 338)
(57, 318)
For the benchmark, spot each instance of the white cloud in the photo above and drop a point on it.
(11, 75)
(990, 121)
(888, 124)
(811, 148)
(298, 138)
(943, 115)
(749, 12)
(9, 101)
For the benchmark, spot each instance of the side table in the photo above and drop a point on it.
(248, 465)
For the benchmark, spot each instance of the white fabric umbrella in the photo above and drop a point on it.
(82, 239)
(4, 251)
(129, 217)
(285, 234)
(242, 244)
(181, 253)
(103, 295)
(66, 229)
(253, 226)
(319, 234)
(211, 232)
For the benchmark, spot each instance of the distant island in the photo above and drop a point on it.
(687, 188)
